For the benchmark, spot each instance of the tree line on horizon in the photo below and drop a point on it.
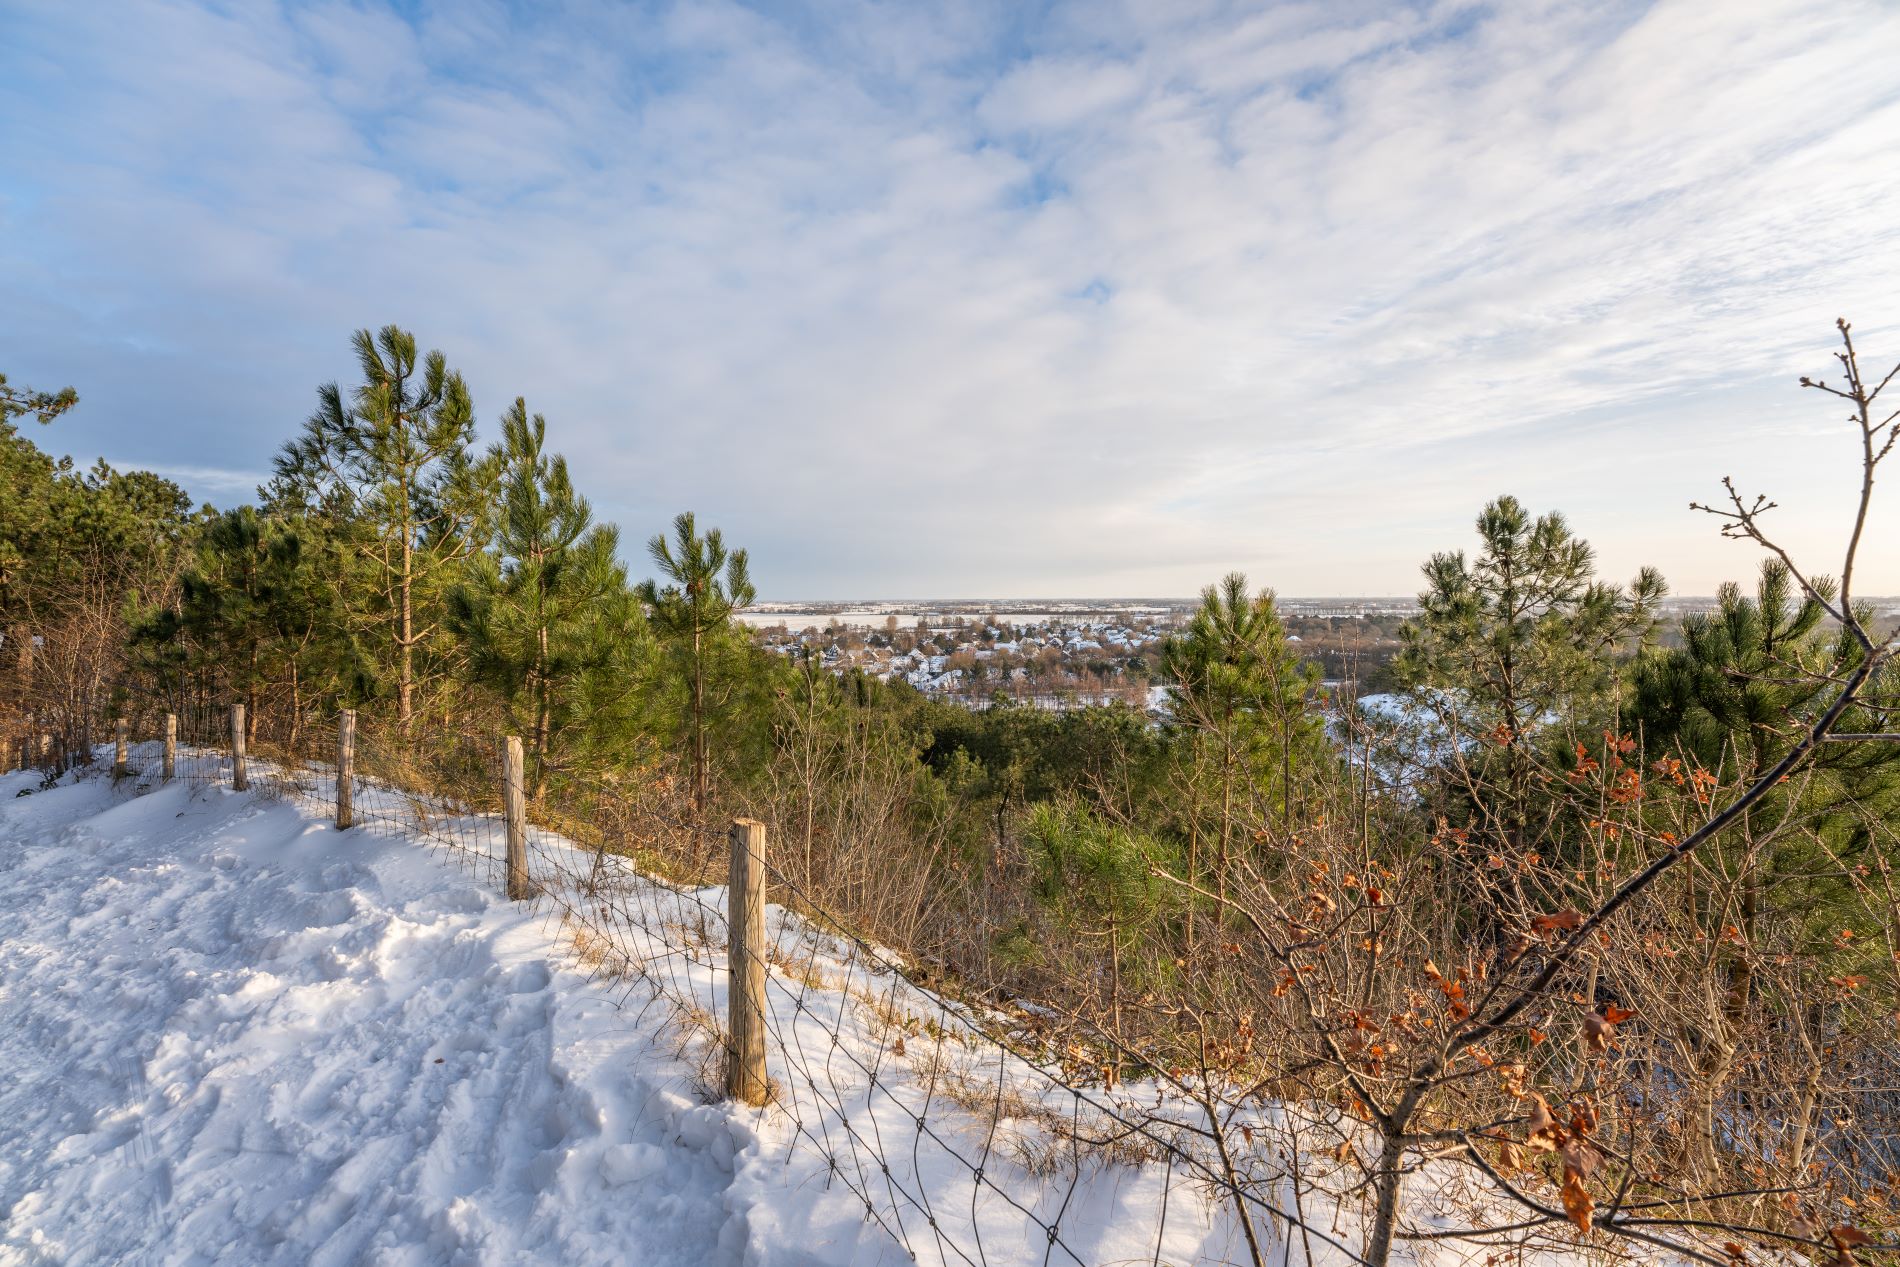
(1367, 882)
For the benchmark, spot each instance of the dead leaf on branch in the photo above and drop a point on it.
(1579, 1162)
(1578, 1203)
(1565, 921)
(1599, 1028)
(1847, 1238)
(1540, 1130)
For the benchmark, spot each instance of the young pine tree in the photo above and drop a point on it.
(396, 457)
(1722, 701)
(1095, 881)
(546, 617)
(1517, 634)
(693, 616)
(227, 598)
(1240, 695)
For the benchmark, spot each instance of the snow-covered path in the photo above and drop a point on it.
(232, 1034)
(229, 1033)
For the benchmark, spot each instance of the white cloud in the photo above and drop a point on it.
(229, 487)
(920, 301)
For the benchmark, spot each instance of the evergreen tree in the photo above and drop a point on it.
(258, 607)
(17, 402)
(547, 617)
(226, 597)
(396, 456)
(29, 495)
(1095, 879)
(1722, 702)
(1239, 695)
(693, 615)
(77, 552)
(1520, 633)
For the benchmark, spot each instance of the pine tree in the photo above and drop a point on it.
(546, 615)
(1095, 878)
(1520, 633)
(30, 490)
(1722, 701)
(693, 614)
(258, 606)
(226, 595)
(1240, 690)
(397, 457)
(17, 402)
(78, 553)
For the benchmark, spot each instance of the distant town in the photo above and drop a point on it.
(1069, 653)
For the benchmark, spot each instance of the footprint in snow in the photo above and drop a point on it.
(529, 978)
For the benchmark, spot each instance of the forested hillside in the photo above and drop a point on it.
(1610, 923)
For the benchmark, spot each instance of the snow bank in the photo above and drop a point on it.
(234, 1034)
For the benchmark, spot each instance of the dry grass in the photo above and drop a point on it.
(597, 951)
(1039, 1139)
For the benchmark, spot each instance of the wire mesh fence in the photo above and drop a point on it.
(954, 1137)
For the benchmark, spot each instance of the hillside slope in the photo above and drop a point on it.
(234, 1034)
(231, 1033)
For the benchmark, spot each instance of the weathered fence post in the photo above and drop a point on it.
(515, 809)
(345, 769)
(118, 750)
(745, 965)
(240, 781)
(170, 765)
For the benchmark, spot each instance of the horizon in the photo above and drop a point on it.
(1041, 300)
(1110, 601)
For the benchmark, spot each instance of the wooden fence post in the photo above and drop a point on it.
(515, 808)
(118, 750)
(746, 1078)
(345, 769)
(170, 766)
(240, 780)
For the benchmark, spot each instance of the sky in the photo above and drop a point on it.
(1010, 299)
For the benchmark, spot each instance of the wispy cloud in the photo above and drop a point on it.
(226, 487)
(954, 298)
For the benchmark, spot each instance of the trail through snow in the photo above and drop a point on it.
(231, 1034)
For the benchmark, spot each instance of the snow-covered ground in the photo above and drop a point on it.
(233, 1034)
(230, 1033)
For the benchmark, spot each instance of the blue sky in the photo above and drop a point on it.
(991, 299)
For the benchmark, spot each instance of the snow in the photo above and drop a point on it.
(234, 1034)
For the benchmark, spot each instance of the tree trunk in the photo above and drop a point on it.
(296, 705)
(405, 681)
(699, 724)
(1385, 1212)
(1226, 828)
(541, 710)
